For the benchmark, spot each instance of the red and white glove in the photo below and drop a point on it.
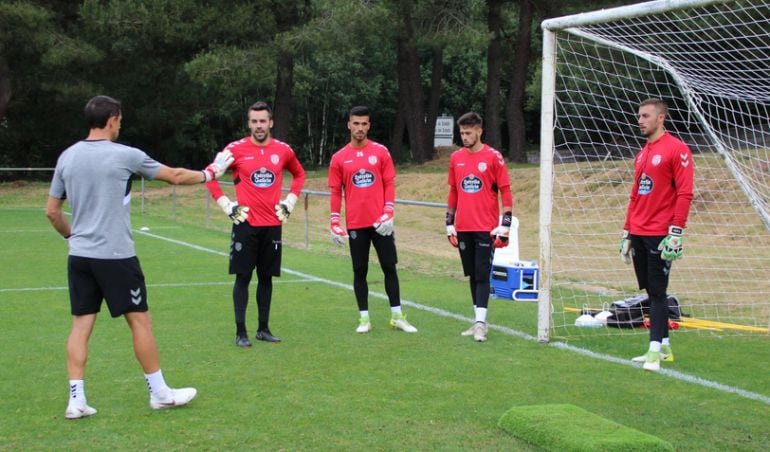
(284, 208)
(217, 168)
(451, 233)
(501, 232)
(338, 232)
(384, 224)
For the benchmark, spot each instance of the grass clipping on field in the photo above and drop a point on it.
(571, 428)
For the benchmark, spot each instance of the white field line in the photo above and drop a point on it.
(182, 284)
(681, 376)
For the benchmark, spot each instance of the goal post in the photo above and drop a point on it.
(709, 60)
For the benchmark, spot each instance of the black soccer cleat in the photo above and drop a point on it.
(265, 335)
(242, 341)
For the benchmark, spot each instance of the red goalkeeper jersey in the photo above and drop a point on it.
(368, 179)
(663, 185)
(258, 177)
(476, 178)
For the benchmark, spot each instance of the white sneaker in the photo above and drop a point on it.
(174, 398)
(74, 411)
(398, 321)
(480, 331)
(469, 331)
(364, 325)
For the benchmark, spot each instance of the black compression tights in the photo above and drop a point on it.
(361, 287)
(264, 297)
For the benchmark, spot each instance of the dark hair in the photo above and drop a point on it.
(262, 106)
(470, 119)
(99, 109)
(359, 111)
(660, 105)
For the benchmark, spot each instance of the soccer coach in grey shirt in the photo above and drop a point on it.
(94, 176)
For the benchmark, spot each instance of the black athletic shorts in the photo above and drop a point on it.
(255, 246)
(651, 271)
(119, 281)
(384, 245)
(476, 254)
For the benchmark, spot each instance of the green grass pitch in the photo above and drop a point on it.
(325, 387)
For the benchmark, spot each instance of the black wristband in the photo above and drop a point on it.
(507, 218)
(450, 218)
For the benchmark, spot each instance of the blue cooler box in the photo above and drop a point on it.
(515, 280)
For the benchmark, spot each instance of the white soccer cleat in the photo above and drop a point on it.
(479, 331)
(173, 398)
(398, 321)
(74, 411)
(364, 325)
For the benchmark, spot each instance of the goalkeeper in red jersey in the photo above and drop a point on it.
(257, 214)
(657, 215)
(477, 176)
(363, 170)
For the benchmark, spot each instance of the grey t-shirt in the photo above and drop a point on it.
(95, 177)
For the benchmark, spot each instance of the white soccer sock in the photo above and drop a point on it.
(481, 315)
(78, 391)
(395, 309)
(364, 314)
(654, 346)
(666, 342)
(156, 383)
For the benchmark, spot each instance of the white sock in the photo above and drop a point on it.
(156, 383)
(481, 315)
(654, 346)
(77, 392)
(666, 342)
(395, 309)
(364, 314)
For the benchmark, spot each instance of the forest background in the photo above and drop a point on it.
(187, 70)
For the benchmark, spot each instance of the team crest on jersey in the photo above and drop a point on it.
(656, 159)
(482, 166)
(471, 184)
(645, 185)
(372, 159)
(363, 178)
(262, 178)
(274, 159)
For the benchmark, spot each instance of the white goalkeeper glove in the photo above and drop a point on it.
(625, 248)
(451, 233)
(338, 232)
(501, 232)
(217, 168)
(284, 208)
(384, 224)
(672, 246)
(237, 213)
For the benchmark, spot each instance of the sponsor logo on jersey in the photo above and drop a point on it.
(372, 159)
(274, 159)
(363, 178)
(645, 185)
(471, 184)
(262, 178)
(482, 166)
(656, 159)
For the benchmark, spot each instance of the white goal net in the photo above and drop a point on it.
(710, 61)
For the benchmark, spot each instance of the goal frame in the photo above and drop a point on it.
(568, 24)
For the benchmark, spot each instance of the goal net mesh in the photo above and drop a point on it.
(711, 64)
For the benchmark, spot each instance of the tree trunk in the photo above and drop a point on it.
(434, 98)
(494, 73)
(5, 88)
(283, 96)
(517, 146)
